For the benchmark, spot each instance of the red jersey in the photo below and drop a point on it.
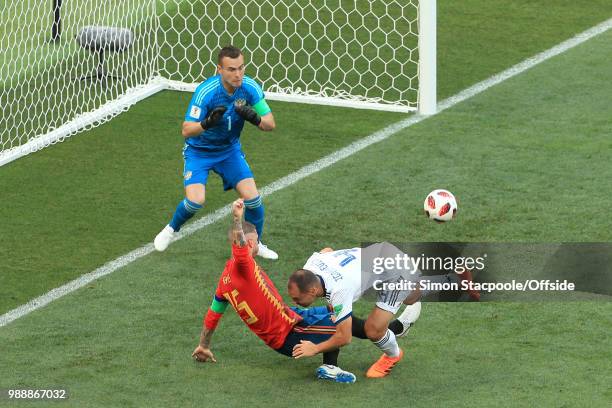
(254, 297)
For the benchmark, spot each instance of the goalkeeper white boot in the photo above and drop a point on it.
(333, 373)
(266, 252)
(408, 317)
(162, 240)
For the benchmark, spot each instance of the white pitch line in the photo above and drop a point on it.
(306, 171)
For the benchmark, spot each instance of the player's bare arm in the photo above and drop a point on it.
(326, 249)
(341, 338)
(237, 232)
(267, 122)
(191, 129)
(202, 352)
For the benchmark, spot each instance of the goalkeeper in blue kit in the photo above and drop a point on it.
(213, 123)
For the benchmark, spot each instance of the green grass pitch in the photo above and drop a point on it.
(529, 160)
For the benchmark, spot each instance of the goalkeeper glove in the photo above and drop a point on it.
(247, 113)
(213, 117)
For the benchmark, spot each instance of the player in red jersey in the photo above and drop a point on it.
(249, 290)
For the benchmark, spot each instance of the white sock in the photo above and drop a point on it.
(388, 344)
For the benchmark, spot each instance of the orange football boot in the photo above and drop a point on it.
(383, 366)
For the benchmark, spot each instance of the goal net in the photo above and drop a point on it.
(61, 76)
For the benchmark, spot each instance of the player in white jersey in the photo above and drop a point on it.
(343, 276)
(338, 276)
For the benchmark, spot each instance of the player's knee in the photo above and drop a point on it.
(247, 189)
(196, 197)
(250, 195)
(374, 331)
(197, 200)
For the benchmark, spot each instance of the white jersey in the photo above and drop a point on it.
(342, 274)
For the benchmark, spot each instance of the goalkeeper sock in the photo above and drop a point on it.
(184, 211)
(254, 213)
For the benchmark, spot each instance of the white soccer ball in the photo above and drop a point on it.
(440, 205)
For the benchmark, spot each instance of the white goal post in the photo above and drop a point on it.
(76, 64)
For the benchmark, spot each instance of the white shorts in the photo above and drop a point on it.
(391, 300)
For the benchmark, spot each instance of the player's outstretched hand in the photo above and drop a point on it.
(304, 349)
(203, 355)
(247, 113)
(213, 118)
(238, 208)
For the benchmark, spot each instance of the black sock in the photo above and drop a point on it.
(359, 328)
(396, 327)
(331, 357)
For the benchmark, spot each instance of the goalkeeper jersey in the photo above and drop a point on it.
(254, 297)
(211, 94)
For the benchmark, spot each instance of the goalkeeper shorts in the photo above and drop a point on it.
(231, 166)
